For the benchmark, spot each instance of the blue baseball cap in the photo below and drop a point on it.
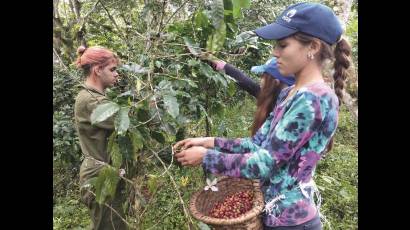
(314, 19)
(271, 68)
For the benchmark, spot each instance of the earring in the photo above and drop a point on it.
(311, 56)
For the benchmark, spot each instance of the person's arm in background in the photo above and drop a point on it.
(242, 79)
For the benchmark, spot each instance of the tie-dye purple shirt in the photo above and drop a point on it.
(284, 152)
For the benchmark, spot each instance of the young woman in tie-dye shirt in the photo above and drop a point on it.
(284, 152)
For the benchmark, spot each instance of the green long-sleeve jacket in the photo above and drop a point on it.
(93, 138)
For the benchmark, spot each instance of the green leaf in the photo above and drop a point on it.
(126, 94)
(231, 89)
(138, 85)
(191, 83)
(164, 84)
(116, 156)
(106, 184)
(137, 140)
(217, 14)
(193, 62)
(111, 141)
(330, 180)
(142, 115)
(176, 27)
(126, 147)
(184, 94)
(180, 135)
(122, 121)
(158, 64)
(152, 183)
(252, 46)
(192, 47)
(237, 5)
(344, 194)
(221, 79)
(244, 37)
(135, 68)
(217, 108)
(233, 28)
(216, 77)
(206, 70)
(158, 136)
(228, 11)
(321, 188)
(216, 41)
(103, 112)
(203, 226)
(144, 131)
(171, 105)
(201, 20)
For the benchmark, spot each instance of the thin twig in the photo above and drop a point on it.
(124, 37)
(127, 180)
(166, 23)
(145, 122)
(109, 206)
(172, 159)
(152, 89)
(164, 2)
(175, 55)
(136, 103)
(59, 58)
(173, 43)
(186, 213)
(88, 14)
(168, 75)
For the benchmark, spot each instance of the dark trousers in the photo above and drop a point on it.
(313, 224)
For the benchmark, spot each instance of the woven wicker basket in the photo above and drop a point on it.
(203, 201)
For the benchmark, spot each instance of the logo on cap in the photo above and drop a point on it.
(289, 15)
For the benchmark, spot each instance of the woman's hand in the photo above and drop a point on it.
(206, 142)
(218, 64)
(192, 156)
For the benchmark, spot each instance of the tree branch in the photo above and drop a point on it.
(56, 14)
(164, 2)
(124, 37)
(166, 23)
(88, 14)
(76, 7)
(59, 58)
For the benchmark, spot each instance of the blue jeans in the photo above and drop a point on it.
(313, 224)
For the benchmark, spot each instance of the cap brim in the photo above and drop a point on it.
(274, 31)
(258, 69)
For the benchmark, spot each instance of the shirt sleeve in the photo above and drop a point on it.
(243, 145)
(291, 132)
(238, 145)
(243, 81)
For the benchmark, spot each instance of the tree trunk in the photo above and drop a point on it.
(80, 35)
(59, 41)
